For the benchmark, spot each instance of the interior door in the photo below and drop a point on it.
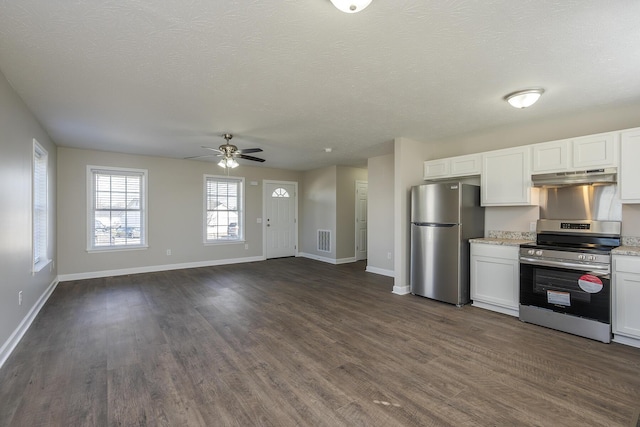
(280, 219)
(361, 219)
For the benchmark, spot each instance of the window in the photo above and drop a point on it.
(280, 192)
(40, 207)
(117, 208)
(223, 209)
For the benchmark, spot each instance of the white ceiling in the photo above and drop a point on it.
(163, 77)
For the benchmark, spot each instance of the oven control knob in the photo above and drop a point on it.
(592, 257)
(539, 253)
(581, 257)
(531, 252)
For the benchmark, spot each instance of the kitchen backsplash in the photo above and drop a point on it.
(531, 235)
(512, 235)
(630, 241)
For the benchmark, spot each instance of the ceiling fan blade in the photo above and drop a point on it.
(211, 148)
(199, 157)
(255, 159)
(250, 150)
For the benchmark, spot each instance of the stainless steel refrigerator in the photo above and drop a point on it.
(444, 216)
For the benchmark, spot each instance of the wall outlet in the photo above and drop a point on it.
(168, 252)
(246, 246)
(532, 226)
(388, 255)
(19, 297)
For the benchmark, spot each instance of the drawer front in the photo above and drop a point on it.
(495, 251)
(627, 264)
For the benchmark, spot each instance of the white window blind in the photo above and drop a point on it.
(40, 206)
(117, 211)
(223, 209)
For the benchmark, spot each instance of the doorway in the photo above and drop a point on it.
(362, 188)
(280, 227)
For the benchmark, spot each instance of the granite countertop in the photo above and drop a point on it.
(630, 246)
(626, 250)
(501, 241)
(506, 238)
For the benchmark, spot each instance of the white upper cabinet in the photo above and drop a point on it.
(551, 156)
(435, 169)
(466, 165)
(452, 167)
(594, 151)
(629, 177)
(589, 152)
(506, 177)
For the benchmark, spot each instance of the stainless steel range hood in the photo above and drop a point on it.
(562, 179)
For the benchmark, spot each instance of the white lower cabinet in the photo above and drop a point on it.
(495, 277)
(626, 300)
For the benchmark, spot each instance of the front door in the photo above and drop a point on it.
(280, 218)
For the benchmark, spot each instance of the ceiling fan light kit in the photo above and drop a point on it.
(524, 98)
(228, 162)
(350, 6)
(229, 153)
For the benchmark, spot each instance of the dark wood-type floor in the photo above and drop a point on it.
(296, 342)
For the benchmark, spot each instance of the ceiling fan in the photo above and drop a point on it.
(230, 152)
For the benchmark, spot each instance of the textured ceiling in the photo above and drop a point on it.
(164, 77)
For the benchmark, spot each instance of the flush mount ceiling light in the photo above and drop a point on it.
(524, 98)
(351, 6)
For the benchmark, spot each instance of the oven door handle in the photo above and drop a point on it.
(564, 264)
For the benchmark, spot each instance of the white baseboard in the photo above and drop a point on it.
(381, 271)
(327, 260)
(317, 257)
(515, 312)
(401, 290)
(155, 268)
(10, 345)
(620, 339)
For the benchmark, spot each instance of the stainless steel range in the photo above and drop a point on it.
(565, 277)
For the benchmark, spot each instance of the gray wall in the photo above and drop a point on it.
(408, 161)
(560, 127)
(532, 132)
(18, 128)
(328, 203)
(175, 213)
(318, 209)
(380, 214)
